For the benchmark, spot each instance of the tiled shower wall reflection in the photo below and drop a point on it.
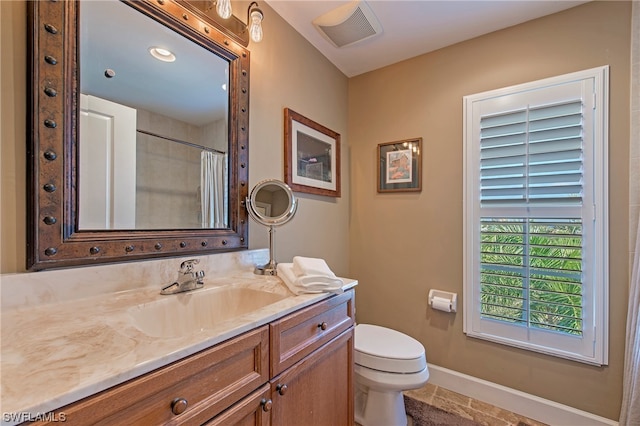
(168, 173)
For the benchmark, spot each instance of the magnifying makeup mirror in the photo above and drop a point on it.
(271, 203)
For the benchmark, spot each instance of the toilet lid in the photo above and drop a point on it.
(388, 350)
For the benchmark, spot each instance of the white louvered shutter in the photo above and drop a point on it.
(533, 275)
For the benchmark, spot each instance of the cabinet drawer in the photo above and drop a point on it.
(206, 383)
(254, 410)
(297, 335)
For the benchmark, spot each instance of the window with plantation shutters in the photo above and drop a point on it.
(535, 236)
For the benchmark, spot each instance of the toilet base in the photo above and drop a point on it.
(377, 408)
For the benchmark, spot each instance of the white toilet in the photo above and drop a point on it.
(387, 362)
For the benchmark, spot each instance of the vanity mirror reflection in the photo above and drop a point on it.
(152, 144)
(139, 132)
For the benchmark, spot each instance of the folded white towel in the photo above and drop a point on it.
(311, 266)
(319, 282)
(309, 283)
(286, 274)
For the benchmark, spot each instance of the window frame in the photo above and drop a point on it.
(593, 348)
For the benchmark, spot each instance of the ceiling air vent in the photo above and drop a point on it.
(348, 24)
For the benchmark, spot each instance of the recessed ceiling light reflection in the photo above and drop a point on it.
(162, 54)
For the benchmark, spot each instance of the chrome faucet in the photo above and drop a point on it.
(188, 279)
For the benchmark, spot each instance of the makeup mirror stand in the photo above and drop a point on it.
(269, 268)
(271, 203)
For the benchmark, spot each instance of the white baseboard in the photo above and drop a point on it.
(540, 409)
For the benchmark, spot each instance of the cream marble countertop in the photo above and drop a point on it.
(61, 352)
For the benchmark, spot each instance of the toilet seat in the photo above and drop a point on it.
(387, 350)
(384, 381)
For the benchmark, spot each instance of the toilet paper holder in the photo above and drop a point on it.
(439, 295)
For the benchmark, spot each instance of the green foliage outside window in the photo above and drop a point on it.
(531, 273)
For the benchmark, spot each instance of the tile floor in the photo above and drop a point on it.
(434, 405)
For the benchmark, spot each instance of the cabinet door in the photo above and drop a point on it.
(318, 390)
(254, 410)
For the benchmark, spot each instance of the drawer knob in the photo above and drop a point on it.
(178, 405)
(266, 404)
(323, 325)
(282, 389)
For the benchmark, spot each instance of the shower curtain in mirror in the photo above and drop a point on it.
(213, 189)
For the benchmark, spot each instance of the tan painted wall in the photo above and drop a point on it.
(286, 71)
(13, 152)
(404, 244)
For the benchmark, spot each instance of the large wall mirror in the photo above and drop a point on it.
(139, 143)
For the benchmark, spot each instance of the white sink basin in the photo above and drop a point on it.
(186, 313)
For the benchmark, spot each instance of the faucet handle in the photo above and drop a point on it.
(187, 265)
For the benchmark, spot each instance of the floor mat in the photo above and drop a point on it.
(424, 414)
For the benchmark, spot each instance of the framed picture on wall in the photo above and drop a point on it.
(311, 156)
(400, 166)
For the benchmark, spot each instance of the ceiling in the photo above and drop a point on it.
(411, 27)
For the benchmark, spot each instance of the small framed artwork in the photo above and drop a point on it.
(311, 156)
(400, 166)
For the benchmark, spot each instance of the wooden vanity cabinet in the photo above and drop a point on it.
(296, 371)
(311, 352)
(317, 390)
(189, 391)
(312, 364)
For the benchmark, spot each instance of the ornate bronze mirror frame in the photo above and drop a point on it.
(53, 237)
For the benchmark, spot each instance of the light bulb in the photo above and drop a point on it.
(223, 7)
(255, 28)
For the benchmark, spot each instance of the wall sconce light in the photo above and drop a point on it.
(254, 21)
(254, 17)
(223, 8)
